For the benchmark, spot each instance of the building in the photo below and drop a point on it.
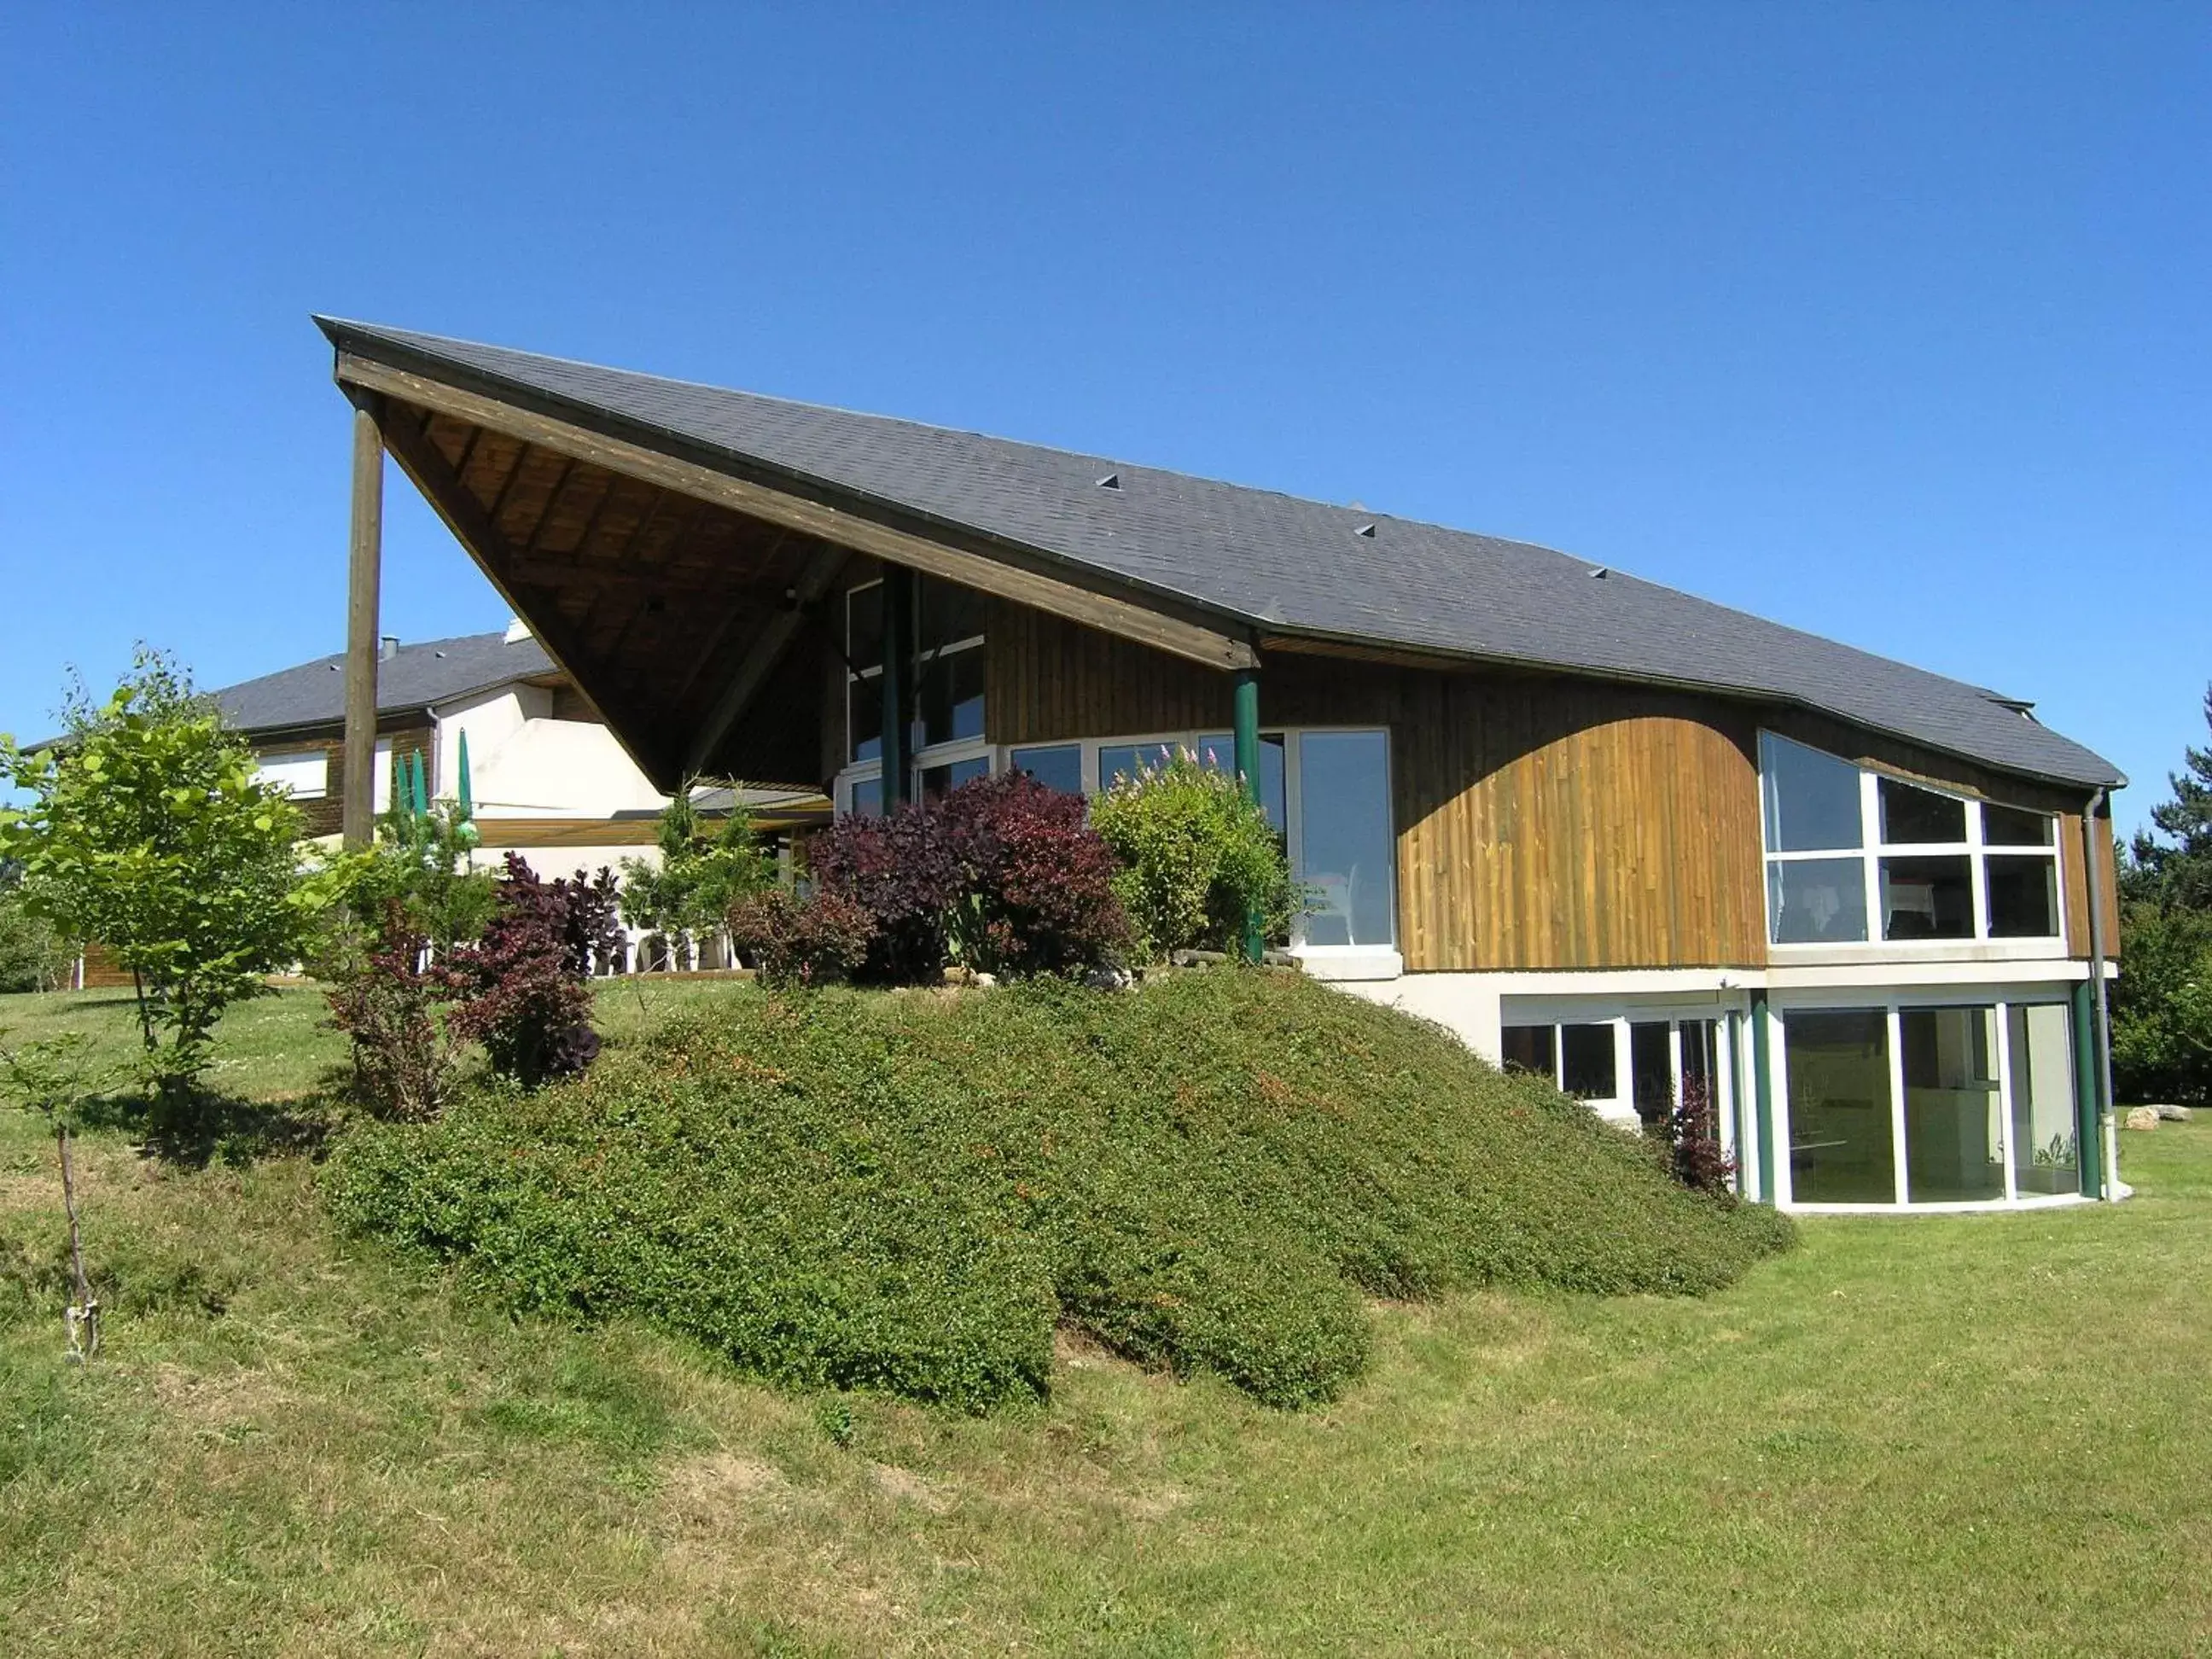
(546, 779)
(1602, 828)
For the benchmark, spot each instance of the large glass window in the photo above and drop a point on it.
(1842, 1149)
(945, 733)
(1953, 1140)
(1942, 867)
(1345, 848)
(1576, 1059)
(1056, 765)
(1534, 1049)
(1978, 1106)
(2044, 1127)
(1812, 798)
(1817, 901)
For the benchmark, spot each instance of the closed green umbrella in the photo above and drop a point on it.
(468, 797)
(421, 788)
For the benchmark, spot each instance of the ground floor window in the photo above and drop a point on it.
(1646, 1063)
(1921, 1105)
(1325, 790)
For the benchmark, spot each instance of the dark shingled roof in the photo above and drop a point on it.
(1273, 562)
(415, 676)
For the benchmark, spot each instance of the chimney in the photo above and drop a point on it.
(387, 647)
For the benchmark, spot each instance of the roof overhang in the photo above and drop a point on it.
(674, 613)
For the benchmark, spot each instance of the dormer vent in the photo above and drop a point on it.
(1366, 529)
(1111, 480)
(1600, 573)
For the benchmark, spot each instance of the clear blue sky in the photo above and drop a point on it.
(1892, 322)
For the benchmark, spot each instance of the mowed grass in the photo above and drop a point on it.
(1934, 1435)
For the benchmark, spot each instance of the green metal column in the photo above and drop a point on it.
(2088, 1139)
(1763, 1092)
(898, 658)
(1247, 729)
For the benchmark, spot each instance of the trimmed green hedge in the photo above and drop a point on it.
(905, 1191)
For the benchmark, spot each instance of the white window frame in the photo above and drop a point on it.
(1873, 849)
(272, 767)
(957, 749)
(1894, 1004)
(1001, 757)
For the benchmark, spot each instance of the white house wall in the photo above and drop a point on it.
(524, 764)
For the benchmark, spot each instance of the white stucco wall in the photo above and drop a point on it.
(524, 764)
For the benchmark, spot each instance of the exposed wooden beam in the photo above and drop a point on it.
(1113, 615)
(766, 651)
(477, 531)
(364, 581)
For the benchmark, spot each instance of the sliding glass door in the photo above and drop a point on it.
(1904, 1105)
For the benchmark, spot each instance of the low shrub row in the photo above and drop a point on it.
(905, 1193)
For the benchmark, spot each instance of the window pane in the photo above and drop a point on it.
(1953, 1148)
(1056, 766)
(936, 780)
(864, 627)
(1217, 752)
(867, 798)
(1812, 798)
(2044, 1127)
(864, 714)
(949, 703)
(1344, 824)
(1840, 1143)
(1817, 901)
(1531, 1049)
(1912, 816)
(1651, 1072)
(949, 613)
(1586, 1068)
(1928, 898)
(2023, 895)
(1700, 1039)
(2008, 826)
(1118, 762)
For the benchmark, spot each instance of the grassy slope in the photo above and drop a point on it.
(1969, 1435)
(903, 1192)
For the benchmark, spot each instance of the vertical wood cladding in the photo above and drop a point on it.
(1542, 823)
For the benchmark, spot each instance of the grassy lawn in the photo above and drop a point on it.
(1935, 1435)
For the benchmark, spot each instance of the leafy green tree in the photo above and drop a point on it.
(1196, 853)
(32, 957)
(2162, 1002)
(705, 868)
(150, 831)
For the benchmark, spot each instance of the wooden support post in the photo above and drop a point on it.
(898, 660)
(1246, 737)
(364, 578)
(1762, 1083)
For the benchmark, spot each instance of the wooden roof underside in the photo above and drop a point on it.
(685, 600)
(651, 599)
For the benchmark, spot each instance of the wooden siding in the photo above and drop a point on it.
(1543, 822)
(322, 813)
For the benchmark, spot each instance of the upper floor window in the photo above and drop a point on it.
(1853, 855)
(305, 772)
(949, 668)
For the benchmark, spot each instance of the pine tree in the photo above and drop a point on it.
(2173, 868)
